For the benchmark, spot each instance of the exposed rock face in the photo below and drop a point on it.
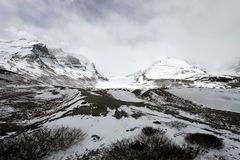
(73, 62)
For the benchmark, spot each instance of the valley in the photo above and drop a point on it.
(85, 115)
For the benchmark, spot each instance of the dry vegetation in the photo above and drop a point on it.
(39, 143)
(205, 141)
(151, 144)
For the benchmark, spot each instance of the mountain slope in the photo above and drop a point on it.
(12, 78)
(35, 61)
(104, 115)
(77, 67)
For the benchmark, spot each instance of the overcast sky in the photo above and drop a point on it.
(123, 36)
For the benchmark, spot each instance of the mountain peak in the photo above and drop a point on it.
(172, 68)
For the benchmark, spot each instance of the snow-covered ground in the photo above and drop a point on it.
(109, 129)
(117, 82)
(124, 96)
(222, 99)
(94, 111)
(122, 82)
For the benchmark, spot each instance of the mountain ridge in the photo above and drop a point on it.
(168, 72)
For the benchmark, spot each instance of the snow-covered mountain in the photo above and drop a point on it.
(113, 112)
(171, 72)
(171, 68)
(35, 61)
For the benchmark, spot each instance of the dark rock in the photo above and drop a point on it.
(157, 122)
(95, 137)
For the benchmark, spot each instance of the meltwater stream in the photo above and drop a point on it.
(221, 99)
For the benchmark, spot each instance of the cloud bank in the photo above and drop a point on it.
(122, 37)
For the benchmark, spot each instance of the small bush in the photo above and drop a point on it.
(205, 140)
(148, 131)
(154, 146)
(39, 143)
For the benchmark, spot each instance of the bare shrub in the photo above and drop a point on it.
(205, 140)
(149, 131)
(39, 143)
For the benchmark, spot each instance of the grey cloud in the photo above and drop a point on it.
(130, 34)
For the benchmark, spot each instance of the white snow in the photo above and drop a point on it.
(199, 84)
(123, 82)
(124, 96)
